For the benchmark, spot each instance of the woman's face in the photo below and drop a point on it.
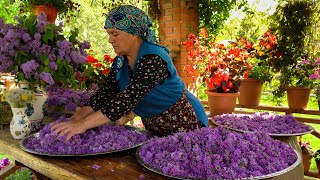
(121, 41)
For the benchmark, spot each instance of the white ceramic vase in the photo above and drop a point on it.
(20, 123)
(36, 109)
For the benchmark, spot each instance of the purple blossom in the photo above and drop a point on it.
(67, 98)
(141, 176)
(18, 41)
(37, 36)
(97, 140)
(262, 122)
(47, 78)
(4, 162)
(42, 17)
(314, 76)
(40, 26)
(29, 68)
(53, 66)
(217, 153)
(96, 167)
(26, 37)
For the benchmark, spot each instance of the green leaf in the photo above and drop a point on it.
(30, 23)
(20, 76)
(44, 59)
(73, 37)
(48, 34)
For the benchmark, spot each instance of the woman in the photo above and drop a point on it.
(142, 80)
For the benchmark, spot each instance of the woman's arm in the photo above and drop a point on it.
(82, 113)
(73, 127)
(150, 71)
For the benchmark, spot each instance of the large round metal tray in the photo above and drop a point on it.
(131, 128)
(294, 165)
(311, 129)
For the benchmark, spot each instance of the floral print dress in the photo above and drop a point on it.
(150, 71)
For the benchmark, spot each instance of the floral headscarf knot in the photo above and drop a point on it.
(133, 21)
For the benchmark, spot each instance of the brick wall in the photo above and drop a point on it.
(180, 18)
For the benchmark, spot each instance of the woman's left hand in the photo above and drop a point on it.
(69, 128)
(126, 118)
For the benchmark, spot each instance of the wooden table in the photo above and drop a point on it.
(122, 165)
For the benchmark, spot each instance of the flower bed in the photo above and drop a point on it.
(262, 122)
(217, 153)
(105, 138)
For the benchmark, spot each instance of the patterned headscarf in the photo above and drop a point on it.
(133, 21)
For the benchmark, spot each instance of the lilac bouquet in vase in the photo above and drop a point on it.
(37, 53)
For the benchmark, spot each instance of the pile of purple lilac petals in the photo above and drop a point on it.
(262, 122)
(217, 153)
(102, 139)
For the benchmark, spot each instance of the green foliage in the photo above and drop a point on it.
(63, 6)
(9, 9)
(292, 24)
(213, 13)
(261, 71)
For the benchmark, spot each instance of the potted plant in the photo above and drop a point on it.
(307, 154)
(51, 7)
(259, 70)
(220, 67)
(292, 23)
(317, 159)
(315, 76)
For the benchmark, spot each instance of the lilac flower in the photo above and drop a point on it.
(217, 153)
(141, 176)
(67, 98)
(40, 26)
(52, 57)
(262, 122)
(26, 37)
(46, 77)
(97, 140)
(29, 68)
(42, 16)
(4, 162)
(17, 41)
(96, 167)
(53, 66)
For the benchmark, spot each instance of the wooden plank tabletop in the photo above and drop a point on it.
(121, 165)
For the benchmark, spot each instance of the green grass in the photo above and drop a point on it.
(22, 174)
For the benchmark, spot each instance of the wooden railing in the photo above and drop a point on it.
(248, 110)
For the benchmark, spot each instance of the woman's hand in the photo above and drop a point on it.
(78, 126)
(126, 118)
(69, 128)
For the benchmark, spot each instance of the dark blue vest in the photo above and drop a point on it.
(162, 96)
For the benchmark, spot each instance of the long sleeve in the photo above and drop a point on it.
(150, 71)
(106, 92)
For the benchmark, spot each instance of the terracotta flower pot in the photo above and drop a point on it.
(298, 97)
(221, 103)
(50, 11)
(250, 92)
